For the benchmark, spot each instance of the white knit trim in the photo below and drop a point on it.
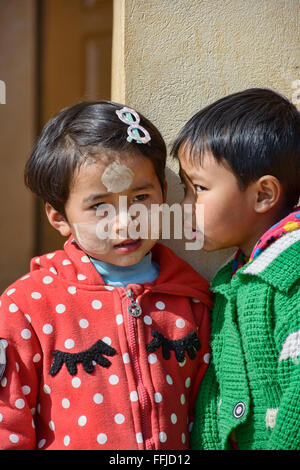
(291, 346)
(269, 254)
(270, 418)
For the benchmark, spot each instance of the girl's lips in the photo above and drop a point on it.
(127, 246)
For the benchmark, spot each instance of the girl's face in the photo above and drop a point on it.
(229, 216)
(100, 213)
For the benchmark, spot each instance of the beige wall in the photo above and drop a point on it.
(172, 57)
(17, 124)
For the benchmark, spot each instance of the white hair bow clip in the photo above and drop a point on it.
(132, 119)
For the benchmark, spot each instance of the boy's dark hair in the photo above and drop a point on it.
(76, 133)
(256, 131)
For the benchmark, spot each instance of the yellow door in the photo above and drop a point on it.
(75, 42)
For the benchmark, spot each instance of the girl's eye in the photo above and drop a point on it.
(140, 197)
(96, 206)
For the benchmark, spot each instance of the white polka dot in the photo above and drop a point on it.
(182, 399)
(14, 438)
(180, 323)
(51, 425)
(66, 440)
(157, 397)
(152, 358)
(196, 301)
(53, 270)
(60, 308)
(147, 320)
(19, 403)
(181, 364)
(69, 343)
(47, 389)
(96, 304)
(37, 260)
(26, 389)
(102, 438)
(119, 319)
(66, 262)
(81, 277)
(47, 280)
(126, 358)
(173, 418)
(106, 340)
(13, 308)
(162, 437)
(3, 382)
(85, 259)
(109, 287)
(28, 317)
(134, 396)
(83, 323)
(1, 417)
(26, 334)
(47, 329)
(65, 403)
(72, 290)
(98, 398)
(206, 358)
(36, 357)
(41, 443)
(188, 382)
(183, 438)
(160, 305)
(76, 382)
(50, 255)
(113, 379)
(82, 420)
(119, 418)
(25, 277)
(4, 343)
(169, 379)
(10, 291)
(139, 437)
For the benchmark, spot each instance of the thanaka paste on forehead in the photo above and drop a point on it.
(117, 177)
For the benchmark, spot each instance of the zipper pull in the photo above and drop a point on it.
(134, 308)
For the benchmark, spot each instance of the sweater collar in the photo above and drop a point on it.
(272, 259)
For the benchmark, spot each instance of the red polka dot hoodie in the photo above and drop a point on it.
(91, 366)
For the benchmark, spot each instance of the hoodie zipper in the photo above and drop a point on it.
(135, 311)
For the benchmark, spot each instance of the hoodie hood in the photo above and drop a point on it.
(73, 266)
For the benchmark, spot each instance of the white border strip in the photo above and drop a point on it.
(270, 253)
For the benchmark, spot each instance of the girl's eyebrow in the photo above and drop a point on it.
(94, 197)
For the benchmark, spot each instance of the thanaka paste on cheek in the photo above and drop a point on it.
(117, 177)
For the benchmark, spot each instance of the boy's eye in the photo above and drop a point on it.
(199, 188)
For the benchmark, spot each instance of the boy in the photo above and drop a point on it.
(102, 343)
(240, 158)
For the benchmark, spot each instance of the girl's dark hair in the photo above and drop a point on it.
(256, 131)
(76, 133)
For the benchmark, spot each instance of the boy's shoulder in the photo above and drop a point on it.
(278, 265)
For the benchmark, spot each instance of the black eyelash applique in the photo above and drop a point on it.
(188, 343)
(94, 353)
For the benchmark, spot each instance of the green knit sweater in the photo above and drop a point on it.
(252, 383)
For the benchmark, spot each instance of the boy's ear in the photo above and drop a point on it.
(57, 220)
(268, 193)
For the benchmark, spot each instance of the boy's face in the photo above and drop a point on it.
(229, 216)
(98, 208)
